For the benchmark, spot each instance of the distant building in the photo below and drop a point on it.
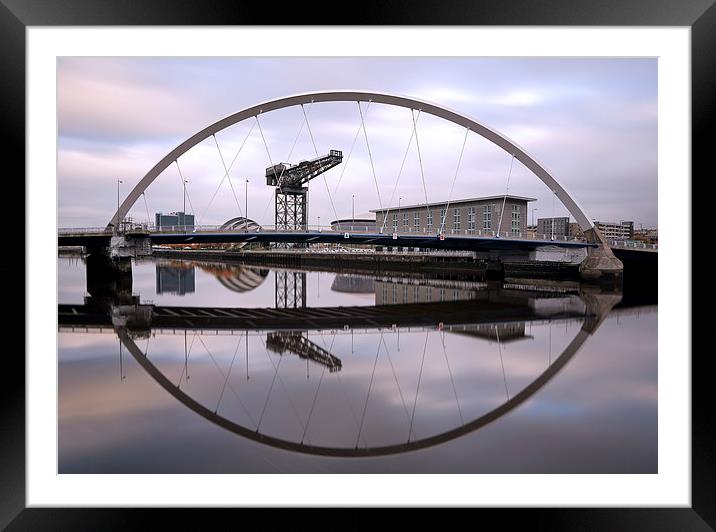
(553, 226)
(174, 219)
(177, 281)
(575, 231)
(362, 222)
(649, 236)
(464, 216)
(616, 231)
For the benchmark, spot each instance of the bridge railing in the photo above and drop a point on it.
(346, 228)
(633, 244)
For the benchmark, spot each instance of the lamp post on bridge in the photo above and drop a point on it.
(353, 211)
(246, 206)
(183, 212)
(116, 229)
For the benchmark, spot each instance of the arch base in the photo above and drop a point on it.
(600, 264)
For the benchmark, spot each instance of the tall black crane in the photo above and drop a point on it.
(291, 194)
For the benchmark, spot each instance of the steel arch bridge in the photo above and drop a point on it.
(462, 120)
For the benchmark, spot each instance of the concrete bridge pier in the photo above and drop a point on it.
(130, 245)
(601, 264)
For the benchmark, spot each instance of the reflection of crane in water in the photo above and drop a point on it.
(283, 341)
(291, 294)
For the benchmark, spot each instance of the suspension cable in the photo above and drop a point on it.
(223, 388)
(313, 404)
(452, 381)
(186, 362)
(370, 386)
(395, 376)
(149, 218)
(230, 167)
(420, 159)
(315, 149)
(370, 155)
(283, 385)
(452, 186)
(343, 391)
(504, 200)
(355, 138)
(288, 158)
(218, 368)
(264, 139)
(417, 389)
(226, 173)
(395, 186)
(502, 363)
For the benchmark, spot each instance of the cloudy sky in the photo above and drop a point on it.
(592, 122)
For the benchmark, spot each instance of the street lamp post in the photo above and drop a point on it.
(353, 211)
(183, 212)
(246, 206)
(117, 220)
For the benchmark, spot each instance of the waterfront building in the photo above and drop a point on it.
(616, 231)
(471, 216)
(174, 219)
(558, 226)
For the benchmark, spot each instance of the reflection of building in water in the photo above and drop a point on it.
(397, 291)
(502, 332)
(294, 342)
(172, 280)
(353, 284)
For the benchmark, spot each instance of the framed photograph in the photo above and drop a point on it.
(410, 262)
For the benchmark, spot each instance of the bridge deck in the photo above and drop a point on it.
(380, 316)
(465, 243)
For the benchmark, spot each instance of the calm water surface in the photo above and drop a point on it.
(517, 382)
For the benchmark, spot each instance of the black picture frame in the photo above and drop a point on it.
(16, 15)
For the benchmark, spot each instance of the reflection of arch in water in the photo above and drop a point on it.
(236, 278)
(589, 327)
(245, 280)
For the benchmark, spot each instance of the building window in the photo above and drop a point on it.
(416, 220)
(487, 217)
(395, 222)
(405, 293)
(442, 217)
(516, 216)
(471, 218)
(395, 293)
(456, 219)
(385, 293)
(406, 216)
(430, 219)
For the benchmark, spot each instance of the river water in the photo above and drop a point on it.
(444, 376)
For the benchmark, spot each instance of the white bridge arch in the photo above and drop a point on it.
(361, 96)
